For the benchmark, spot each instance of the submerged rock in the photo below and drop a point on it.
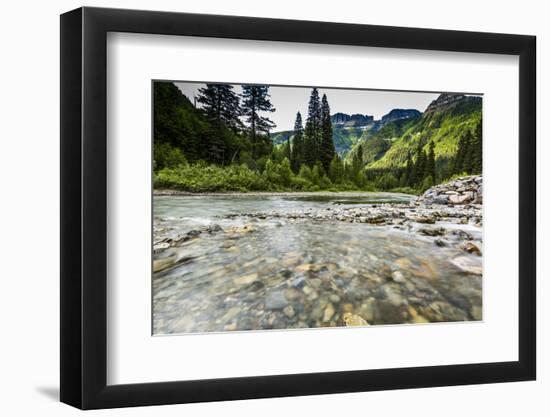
(468, 264)
(354, 320)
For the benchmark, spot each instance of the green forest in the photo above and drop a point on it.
(226, 143)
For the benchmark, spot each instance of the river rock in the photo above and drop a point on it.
(328, 313)
(471, 248)
(354, 320)
(289, 311)
(468, 264)
(432, 231)
(398, 276)
(246, 279)
(275, 300)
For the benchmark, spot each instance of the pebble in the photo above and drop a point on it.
(328, 313)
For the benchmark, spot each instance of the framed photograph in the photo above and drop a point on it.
(257, 208)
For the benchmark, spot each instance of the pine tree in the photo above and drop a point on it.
(477, 150)
(468, 153)
(221, 105)
(419, 166)
(255, 99)
(357, 159)
(326, 149)
(312, 132)
(336, 170)
(429, 170)
(297, 153)
(461, 154)
(409, 168)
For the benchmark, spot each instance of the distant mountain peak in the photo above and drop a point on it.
(398, 114)
(354, 120)
(444, 101)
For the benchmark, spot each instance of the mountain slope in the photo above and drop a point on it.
(443, 122)
(348, 130)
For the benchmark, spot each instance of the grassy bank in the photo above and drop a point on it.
(203, 178)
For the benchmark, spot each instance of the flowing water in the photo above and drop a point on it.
(280, 273)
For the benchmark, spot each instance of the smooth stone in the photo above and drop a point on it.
(354, 320)
(246, 279)
(288, 311)
(328, 313)
(468, 264)
(476, 312)
(231, 314)
(471, 248)
(275, 301)
(398, 276)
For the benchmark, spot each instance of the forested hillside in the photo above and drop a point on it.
(226, 143)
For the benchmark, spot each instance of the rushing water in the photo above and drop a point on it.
(266, 273)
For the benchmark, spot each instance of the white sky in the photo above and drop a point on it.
(289, 100)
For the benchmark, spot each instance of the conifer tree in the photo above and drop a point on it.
(255, 99)
(468, 153)
(477, 150)
(409, 168)
(336, 170)
(429, 170)
(326, 149)
(312, 132)
(297, 153)
(357, 159)
(221, 105)
(461, 153)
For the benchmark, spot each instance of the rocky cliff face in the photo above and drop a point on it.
(445, 101)
(465, 190)
(398, 114)
(355, 120)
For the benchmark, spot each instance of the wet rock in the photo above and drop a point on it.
(461, 234)
(470, 248)
(476, 312)
(468, 264)
(213, 228)
(246, 279)
(275, 301)
(354, 320)
(289, 311)
(398, 276)
(231, 314)
(303, 267)
(298, 282)
(328, 313)
(441, 243)
(432, 231)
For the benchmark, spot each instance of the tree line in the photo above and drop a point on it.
(227, 139)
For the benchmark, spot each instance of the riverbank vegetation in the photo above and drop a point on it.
(224, 144)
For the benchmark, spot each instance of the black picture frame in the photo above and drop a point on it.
(84, 207)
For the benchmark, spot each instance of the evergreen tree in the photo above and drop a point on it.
(336, 170)
(312, 132)
(297, 153)
(255, 99)
(419, 166)
(221, 105)
(477, 150)
(461, 153)
(429, 170)
(326, 149)
(357, 160)
(409, 168)
(468, 153)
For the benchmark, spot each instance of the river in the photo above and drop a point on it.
(279, 270)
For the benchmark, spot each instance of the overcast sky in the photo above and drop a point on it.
(289, 100)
